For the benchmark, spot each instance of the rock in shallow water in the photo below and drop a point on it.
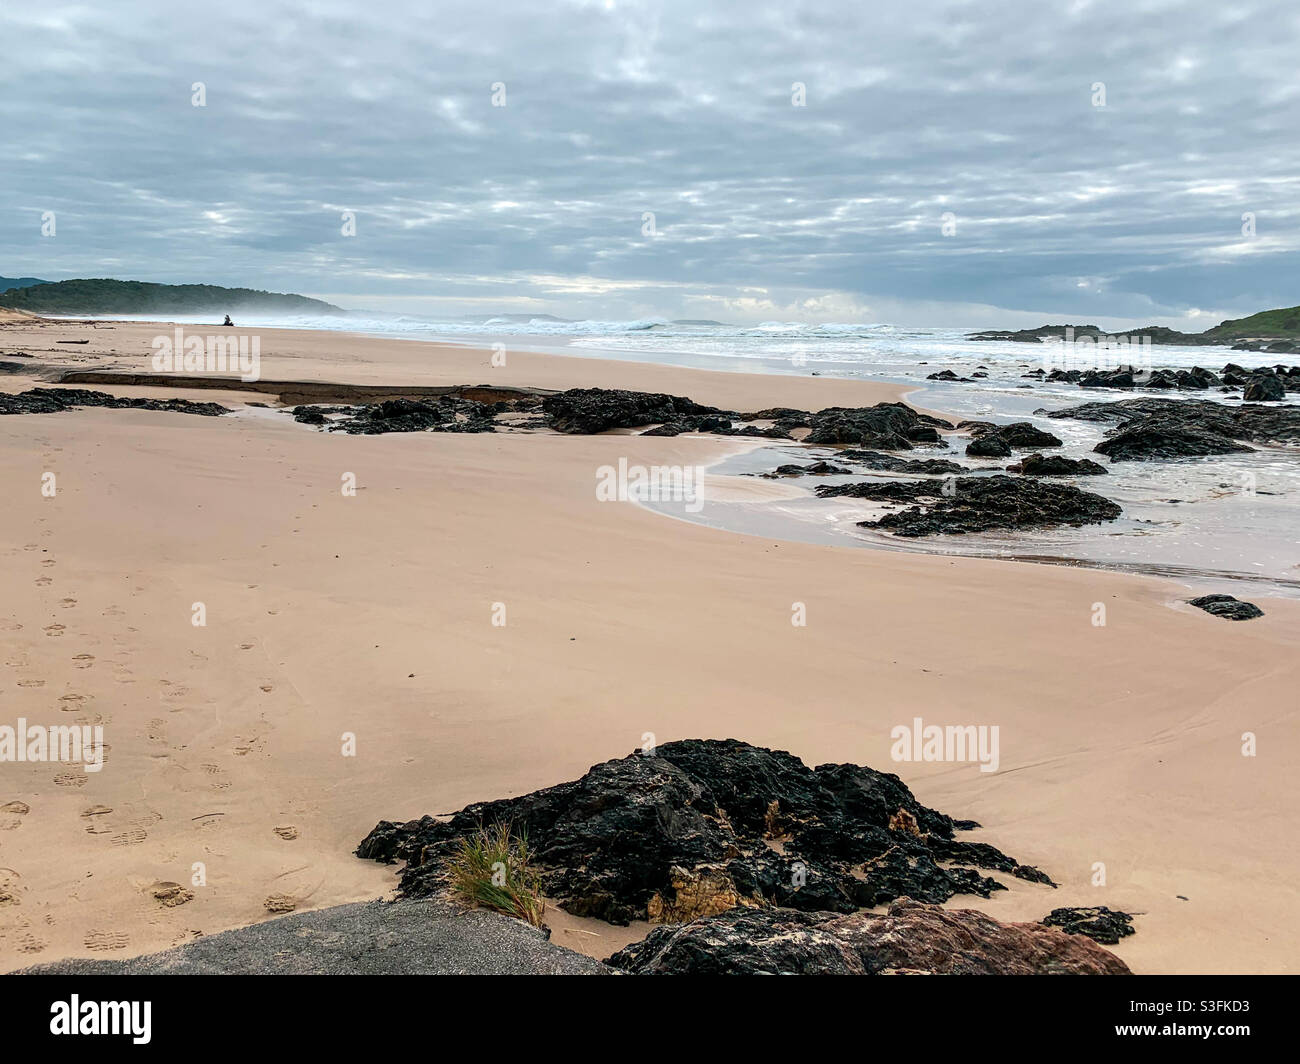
(977, 504)
(910, 939)
(703, 825)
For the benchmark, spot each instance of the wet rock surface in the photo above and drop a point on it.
(447, 413)
(55, 400)
(703, 826)
(883, 427)
(1178, 428)
(817, 469)
(583, 411)
(1037, 465)
(1228, 607)
(912, 938)
(977, 504)
(893, 464)
(1098, 923)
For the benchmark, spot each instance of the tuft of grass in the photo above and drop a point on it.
(491, 869)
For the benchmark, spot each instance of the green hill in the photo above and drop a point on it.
(1281, 324)
(19, 282)
(103, 295)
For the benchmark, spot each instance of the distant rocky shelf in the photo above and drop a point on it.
(1269, 330)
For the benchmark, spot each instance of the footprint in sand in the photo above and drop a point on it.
(48, 562)
(10, 626)
(70, 779)
(267, 687)
(12, 813)
(171, 894)
(288, 832)
(71, 703)
(67, 603)
(98, 941)
(44, 581)
(54, 629)
(31, 683)
(95, 822)
(220, 780)
(246, 646)
(280, 903)
(29, 943)
(129, 837)
(157, 730)
(11, 887)
(113, 611)
(83, 661)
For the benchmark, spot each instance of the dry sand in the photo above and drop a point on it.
(371, 615)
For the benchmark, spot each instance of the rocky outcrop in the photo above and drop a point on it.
(55, 400)
(584, 411)
(884, 427)
(1264, 388)
(893, 464)
(1036, 465)
(699, 826)
(977, 504)
(817, 469)
(912, 938)
(1148, 429)
(1098, 923)
(1227, 607)
(988, 446)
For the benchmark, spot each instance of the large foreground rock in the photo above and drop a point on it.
(910, 939)
(370, 938)
(701, 826)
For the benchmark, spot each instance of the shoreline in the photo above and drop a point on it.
(530, 705)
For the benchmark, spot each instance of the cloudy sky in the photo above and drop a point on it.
(833, 211)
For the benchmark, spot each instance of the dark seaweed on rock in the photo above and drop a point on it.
(700, 826)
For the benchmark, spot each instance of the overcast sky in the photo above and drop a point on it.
(834, 211)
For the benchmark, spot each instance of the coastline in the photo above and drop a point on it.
(443, 527)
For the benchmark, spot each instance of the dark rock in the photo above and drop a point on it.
(687, 831)
(1253, 423)
(1147, 440)
(911, 938)
(54, 400)
(1226, 606)
(1107, 379)
(945, 375)
(979, 504)
(893, 464)
(1036, 465)
(1098, 923)
(988, 446)
(589, 410)
(817, 469)
(885, 426)
(1264, 388)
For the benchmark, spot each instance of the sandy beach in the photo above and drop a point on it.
(372, 616)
